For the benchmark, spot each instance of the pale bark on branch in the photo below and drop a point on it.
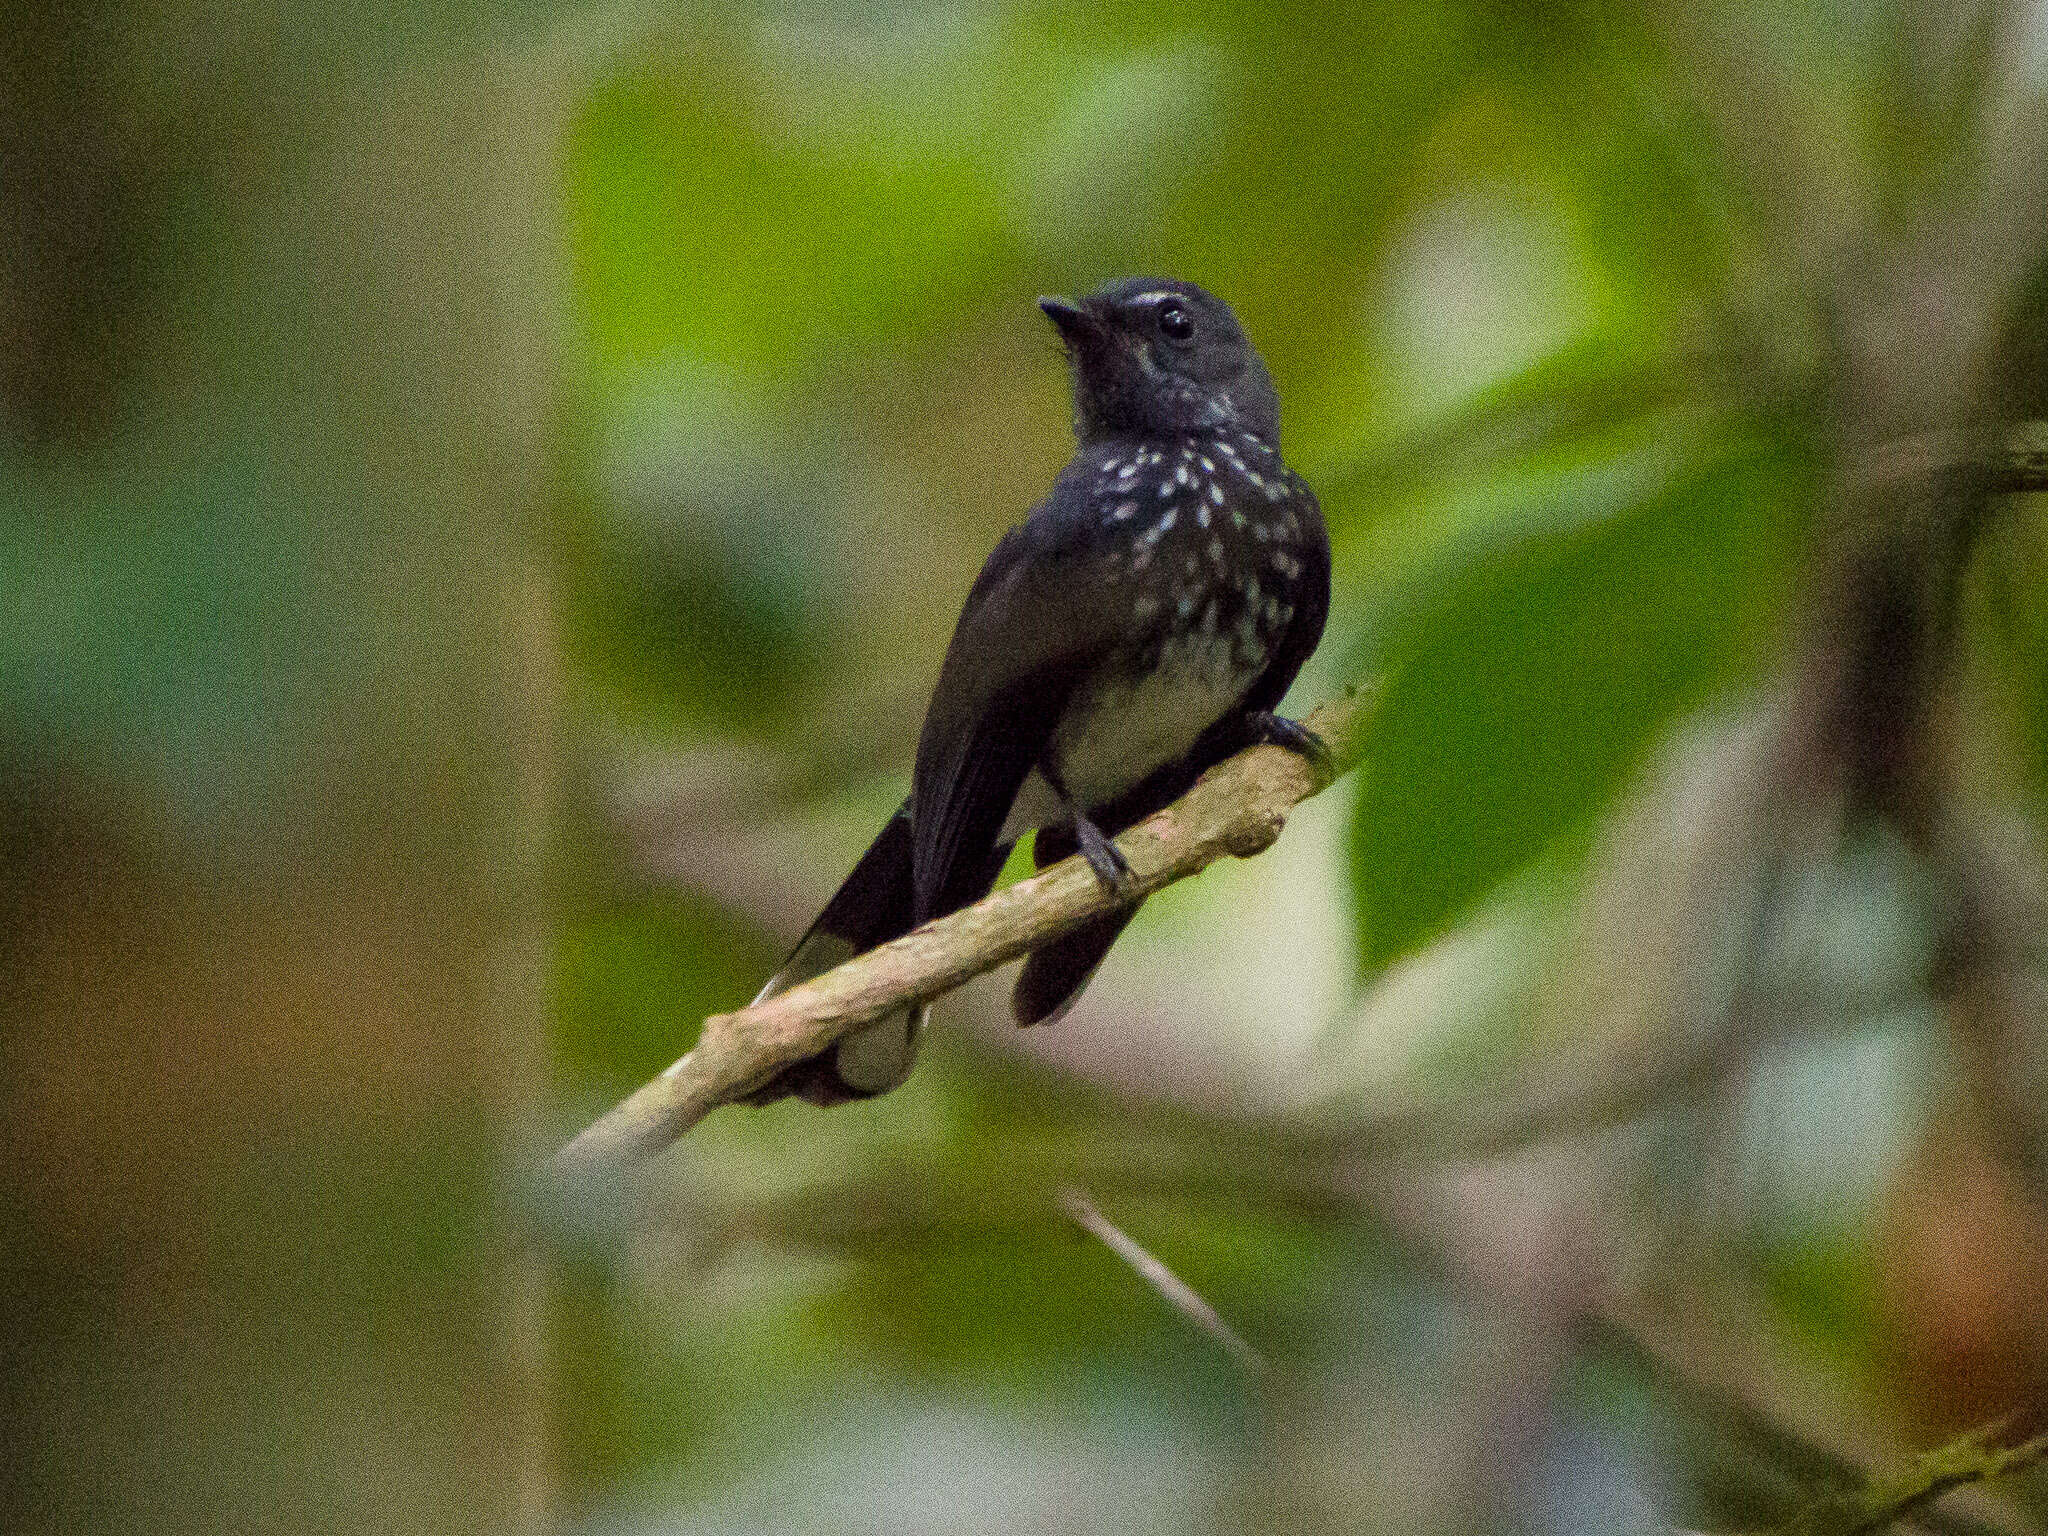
(1237, 809)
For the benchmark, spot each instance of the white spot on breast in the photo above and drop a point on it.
(1216, 493)
(1202, 513)
(1208, 464)
(1123, 511)
(1181, 475)
(1216, 550)
(1165, 489)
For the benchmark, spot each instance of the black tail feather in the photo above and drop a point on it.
(1054, 975)
(875, 903)
(872, 906)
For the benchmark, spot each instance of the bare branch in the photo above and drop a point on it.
(1236, 809)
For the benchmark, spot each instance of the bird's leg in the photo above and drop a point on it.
(1103, 856)
(1263, 727)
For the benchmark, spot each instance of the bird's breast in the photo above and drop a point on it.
(1204, 547)
(1126, 723)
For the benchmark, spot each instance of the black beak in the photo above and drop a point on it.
(1078, 328)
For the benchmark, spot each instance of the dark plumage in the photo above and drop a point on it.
(1139, 626)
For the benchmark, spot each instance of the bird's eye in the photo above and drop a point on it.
(1175, 323)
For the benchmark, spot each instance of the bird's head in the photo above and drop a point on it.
(1157, 358)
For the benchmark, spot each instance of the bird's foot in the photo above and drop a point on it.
(1263, 727)
(1106, 859)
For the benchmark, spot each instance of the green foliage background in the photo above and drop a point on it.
(490, 593)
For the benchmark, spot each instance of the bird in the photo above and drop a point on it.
(1139, 626)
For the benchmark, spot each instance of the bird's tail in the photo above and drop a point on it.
(873, 905)
(1054, 975)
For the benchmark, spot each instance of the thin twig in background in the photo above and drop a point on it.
(1974, 1458)
(1709, 1353)
(1804, 1432)
(1176, 1292)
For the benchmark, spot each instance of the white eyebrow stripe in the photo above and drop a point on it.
(1147, 298)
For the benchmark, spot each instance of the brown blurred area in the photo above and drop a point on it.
(267, 1042)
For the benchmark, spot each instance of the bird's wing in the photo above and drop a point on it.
(1311, 610)
(1039, 617)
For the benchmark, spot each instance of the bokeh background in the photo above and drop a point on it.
(483, 493)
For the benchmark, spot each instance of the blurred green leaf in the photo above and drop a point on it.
(1525, 690)
(743, 210)
(184, 613)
